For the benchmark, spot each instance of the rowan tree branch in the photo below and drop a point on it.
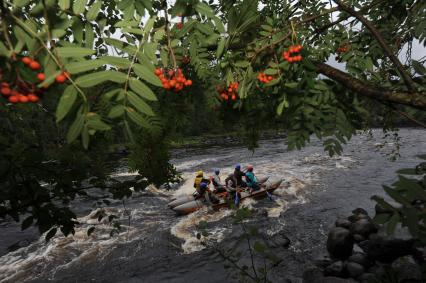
(414, 99)
(377, 35)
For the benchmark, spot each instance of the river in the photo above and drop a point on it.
(155, 245)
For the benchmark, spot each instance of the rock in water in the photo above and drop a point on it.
(361, 259)
(279, 240)
(354, 269)
(335, 269)
(342, 222)
(407, 270)
(363, 227)
(359, 211)
(340, 243)
(387, 250)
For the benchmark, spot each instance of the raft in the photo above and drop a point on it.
(194, 205)
(187, 198)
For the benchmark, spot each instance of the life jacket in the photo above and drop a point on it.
(198, 181)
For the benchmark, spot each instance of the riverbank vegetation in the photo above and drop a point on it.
(80, 77)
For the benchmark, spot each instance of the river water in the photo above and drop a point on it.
(155, 245)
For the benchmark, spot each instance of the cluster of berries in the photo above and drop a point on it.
(172, 79)
(228, 92)
(343, 49)
(34, 65)
(293, 54)
(15, 96)
(262, 77)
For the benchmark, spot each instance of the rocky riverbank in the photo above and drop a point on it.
(360, 251)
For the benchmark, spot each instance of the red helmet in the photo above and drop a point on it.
(250, 168)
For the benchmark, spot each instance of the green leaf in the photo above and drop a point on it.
(3, 50)
(65, 103)
(79, 6)
(418, 67)
(271, 71)
(219, 25)
(83, 66)
(281, 106)
(93, 12)
(27, 222)
(220, 47)
(98, 124)
(291, 85)
(146, 74)
(50, 234)
(85, 137)
(93, 79)
(149, 24)
(50, 78)
(395, 219)
(141, 89)
(412, 220)
(76, 127)
(65, 52)
(90, 36)
(64, 4)
(139, 104)
(136, 117)
(381, 218)
(116, 111)
(204, 9)
(21, 3)
(116, 61)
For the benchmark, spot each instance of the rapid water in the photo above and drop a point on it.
(155, 245)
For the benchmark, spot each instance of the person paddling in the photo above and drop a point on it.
(199, 179)
(238, 176)
(251, 179)
(219, 188)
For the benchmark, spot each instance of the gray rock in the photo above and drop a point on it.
(407, 269)
(388, 250)
(312, 275)
(335, 280)
(279, 240)
(359, 211)
(358, 238)
(340, 243)
(342, 222)
(363, 227)
(378, 270)
(357, 249)
(360, 258)
(354, 269)
(335, 269)
(366, 277)
(323, 262)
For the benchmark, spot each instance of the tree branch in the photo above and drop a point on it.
(416, 99)
(406, 77)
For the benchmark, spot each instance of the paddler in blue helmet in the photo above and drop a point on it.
(218, 186)
(238, 177)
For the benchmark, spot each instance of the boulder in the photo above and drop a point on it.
(335, 280)
(279, 240)
(359, 210)
(361, 259)
(358, 238)
(339, 243)
(366, 277)
(323, 262)
(407, 270)
(354, 269)
(388, 250)
(335, 269)
(312, 275)
(363, 227)
(342, 222)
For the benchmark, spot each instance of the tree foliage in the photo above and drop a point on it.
(108, 51)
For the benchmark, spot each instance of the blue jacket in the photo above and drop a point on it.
(250, 178)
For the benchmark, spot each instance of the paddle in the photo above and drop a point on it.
(237, 198)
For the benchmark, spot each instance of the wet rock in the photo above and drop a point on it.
(358, 238)
(340, 243)
(387, 250)
(378, 270)
(366, 277)
(312, 275)
(279, 240)
(357, 249)
(354, 269)
(359, 210)
(323, 262)
(356, 217)
(361, 259)
(335, 280)
(335, 269)
(18, 245)
(342, 222)
(363, 227)
(407, 269)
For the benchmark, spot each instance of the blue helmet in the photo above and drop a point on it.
(217, 171)
(203, 185)
(238, 167)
